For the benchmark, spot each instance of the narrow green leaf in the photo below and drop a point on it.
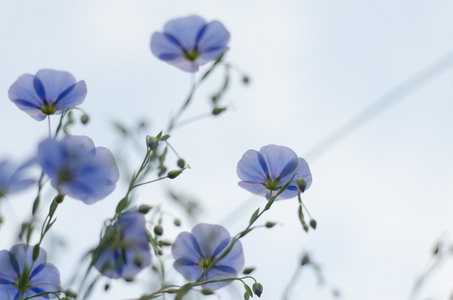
(121, 205)
(248, 290)
(254, 216)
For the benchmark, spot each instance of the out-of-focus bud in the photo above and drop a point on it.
(269, 224)
(313, 223)
(158, 230)
(301, 184)
(218, 110)
(206, 291)
(257, 289)
(151, 141)
(106, 287)
(138, 260)
(181, 163)
(305, 260)
(84, 119)
(70, 294)
(248, 270)
(144, 209)
(245, 79)
(173, 174)
(177, 222)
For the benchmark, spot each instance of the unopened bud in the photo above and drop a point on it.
(177, 222)
(151, 142)
(173, 174)
(138, 260)
(248, 271)
(158, 230)
(301, 184)
(205, 291)
(70, 293)
(218, 110)
(305, 260)
(313, 223)
(144, 209)
(84, 119)
(106, 287)
(257, 289)
(245, 79)
(269, 224)
(181, 163)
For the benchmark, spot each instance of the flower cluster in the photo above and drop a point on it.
(124, 250)
(21, 276)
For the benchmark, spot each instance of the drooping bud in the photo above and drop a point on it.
(305, 260)
(205, 291)
(106, 287)
(144, 209)
(84, 119)
(248, 271)
(218, 110)
(269, 224)
(257, 289)
(151, 142)
(158, 230)
(245, 79)
(173, 174)
(181, 163)
(313, 223)
(301, 184)
(177, 222)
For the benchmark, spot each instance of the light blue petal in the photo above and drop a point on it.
(105, 157)
(216, 274)
(188, 269)
(23, 94)
(47, 280)
(211, 55)
(215, 36)
(54, 83)
(280, 160)
(186, 247)
(234, 259)
(8, 291)
(303, 171)
(185, 30)
(253, 187)
(6, 269)
(163, 48)
(73, 96)
(212, 239)
(252, 167)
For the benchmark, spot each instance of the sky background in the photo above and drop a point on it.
(381, 194)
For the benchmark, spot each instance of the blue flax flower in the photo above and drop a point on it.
(20, 277)
(46, 93)
(271, 168)
(78, 169)
(12, 180)
(196, 255)
(190, 42)
(124, 250)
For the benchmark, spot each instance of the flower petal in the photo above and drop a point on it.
(72, 96)
(280, 160)
(185, 30)
(212, 239)
(186, 247)
(54, 83)
(234, 260)
(188, 269)
(214, 36)
(302, 170)
(254, 187)
(252, 167)
(163, 48)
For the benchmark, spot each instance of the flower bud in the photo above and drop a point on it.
(177, 222)
(269, 224)
(301, 184)
(138, 260)
(305, 260)
(313, 223)
(151, 142)
(248, 271)
(106, 287)
(205, 291)
(245, 79)
(257, 289)
(84, 119)
(218, 110)
(181, 163)
(144, 209)
(70, 294)
(158, 230)
(173, 174)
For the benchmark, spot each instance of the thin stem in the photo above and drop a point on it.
(151, 181)
(50, 130)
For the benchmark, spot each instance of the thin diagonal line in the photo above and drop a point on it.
(382, 103)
